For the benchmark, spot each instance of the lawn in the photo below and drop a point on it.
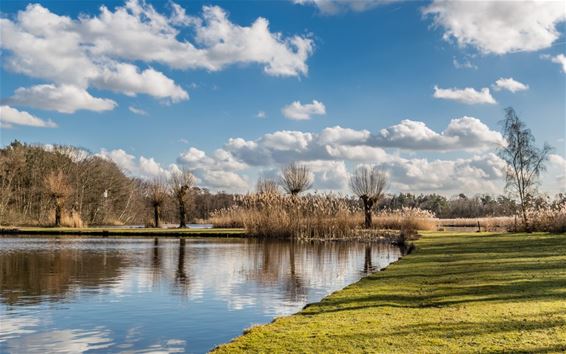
(457, 293)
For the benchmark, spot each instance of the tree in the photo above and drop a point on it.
(59, 190)
(156, 195)
(368, 184)
(181, 184)
(525, 161)
(296, 178)
(267, 186)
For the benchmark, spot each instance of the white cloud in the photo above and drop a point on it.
(331, 7)
(137, 111)
(467, 95)
(509, 84)
(101, 50)
(341, 135)
(140, 167)
(129, 80)
(499, 27)
(558, 59)
(299, 111)
(465, 133)
(10, 116)
(128, 31)
(335, 150)
(61, 98)
(466, 64)
(261, 114)
(557, 169)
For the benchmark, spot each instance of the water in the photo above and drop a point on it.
(76, 295)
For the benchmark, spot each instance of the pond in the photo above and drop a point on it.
(113, 295)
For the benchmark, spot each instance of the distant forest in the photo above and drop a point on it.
(97, 192)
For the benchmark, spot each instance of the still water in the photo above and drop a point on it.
(104, 295)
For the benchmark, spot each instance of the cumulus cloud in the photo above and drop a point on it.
(509, 84)
(61, 98)
(332, 152)
(10, 116)
(299, 111)
(100, 50)
(558, 59)
(499, 27)
(331, 7)
(465, 133)
(140, 167)
(467, 95)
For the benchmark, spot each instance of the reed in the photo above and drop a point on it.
(313, 216)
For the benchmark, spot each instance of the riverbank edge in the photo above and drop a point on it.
(105, 232)
(262, 337)
(410, 248)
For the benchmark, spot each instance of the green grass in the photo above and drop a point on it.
(94, 231)
(457, 293)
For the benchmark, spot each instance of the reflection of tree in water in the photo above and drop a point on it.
(155, 262)
(29, 277)
(368, 268)
(182, 282)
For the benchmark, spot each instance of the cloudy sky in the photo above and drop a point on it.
(233, 90)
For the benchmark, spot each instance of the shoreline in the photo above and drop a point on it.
(457, 292)
(106, 232)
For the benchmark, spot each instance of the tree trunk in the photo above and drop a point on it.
(156, 216)
(57, 215)
(367, 211)
(182, 214)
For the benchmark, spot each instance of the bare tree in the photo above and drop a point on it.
(156, 195)
(525, 161)
(267, 186)
(296, 178)
(368, 184)
(59, 190)
(181, 184)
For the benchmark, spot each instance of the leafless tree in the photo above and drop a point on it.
(525, 161)
(181, 184)
(58, 188)
(368, 184)
(296, 178)
(267, 186)
(156, 195)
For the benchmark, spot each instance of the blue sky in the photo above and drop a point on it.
(369, 66)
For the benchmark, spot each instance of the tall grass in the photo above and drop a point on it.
(546, 218)
(494, 223)
(318, 216)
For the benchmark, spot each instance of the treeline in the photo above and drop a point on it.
(460, 206)
(37, 182)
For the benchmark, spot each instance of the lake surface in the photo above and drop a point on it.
(76, 295)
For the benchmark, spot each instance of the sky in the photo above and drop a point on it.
(234, 90)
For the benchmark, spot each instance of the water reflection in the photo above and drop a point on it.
(167, 295)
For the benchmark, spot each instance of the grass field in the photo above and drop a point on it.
(93, 231)
(457, 293)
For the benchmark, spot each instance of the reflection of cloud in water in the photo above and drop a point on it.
(12, 327)
(205, 292)
(61, 341)
(22, 340)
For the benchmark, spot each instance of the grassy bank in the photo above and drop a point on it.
(123, 232)
(456, 293)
